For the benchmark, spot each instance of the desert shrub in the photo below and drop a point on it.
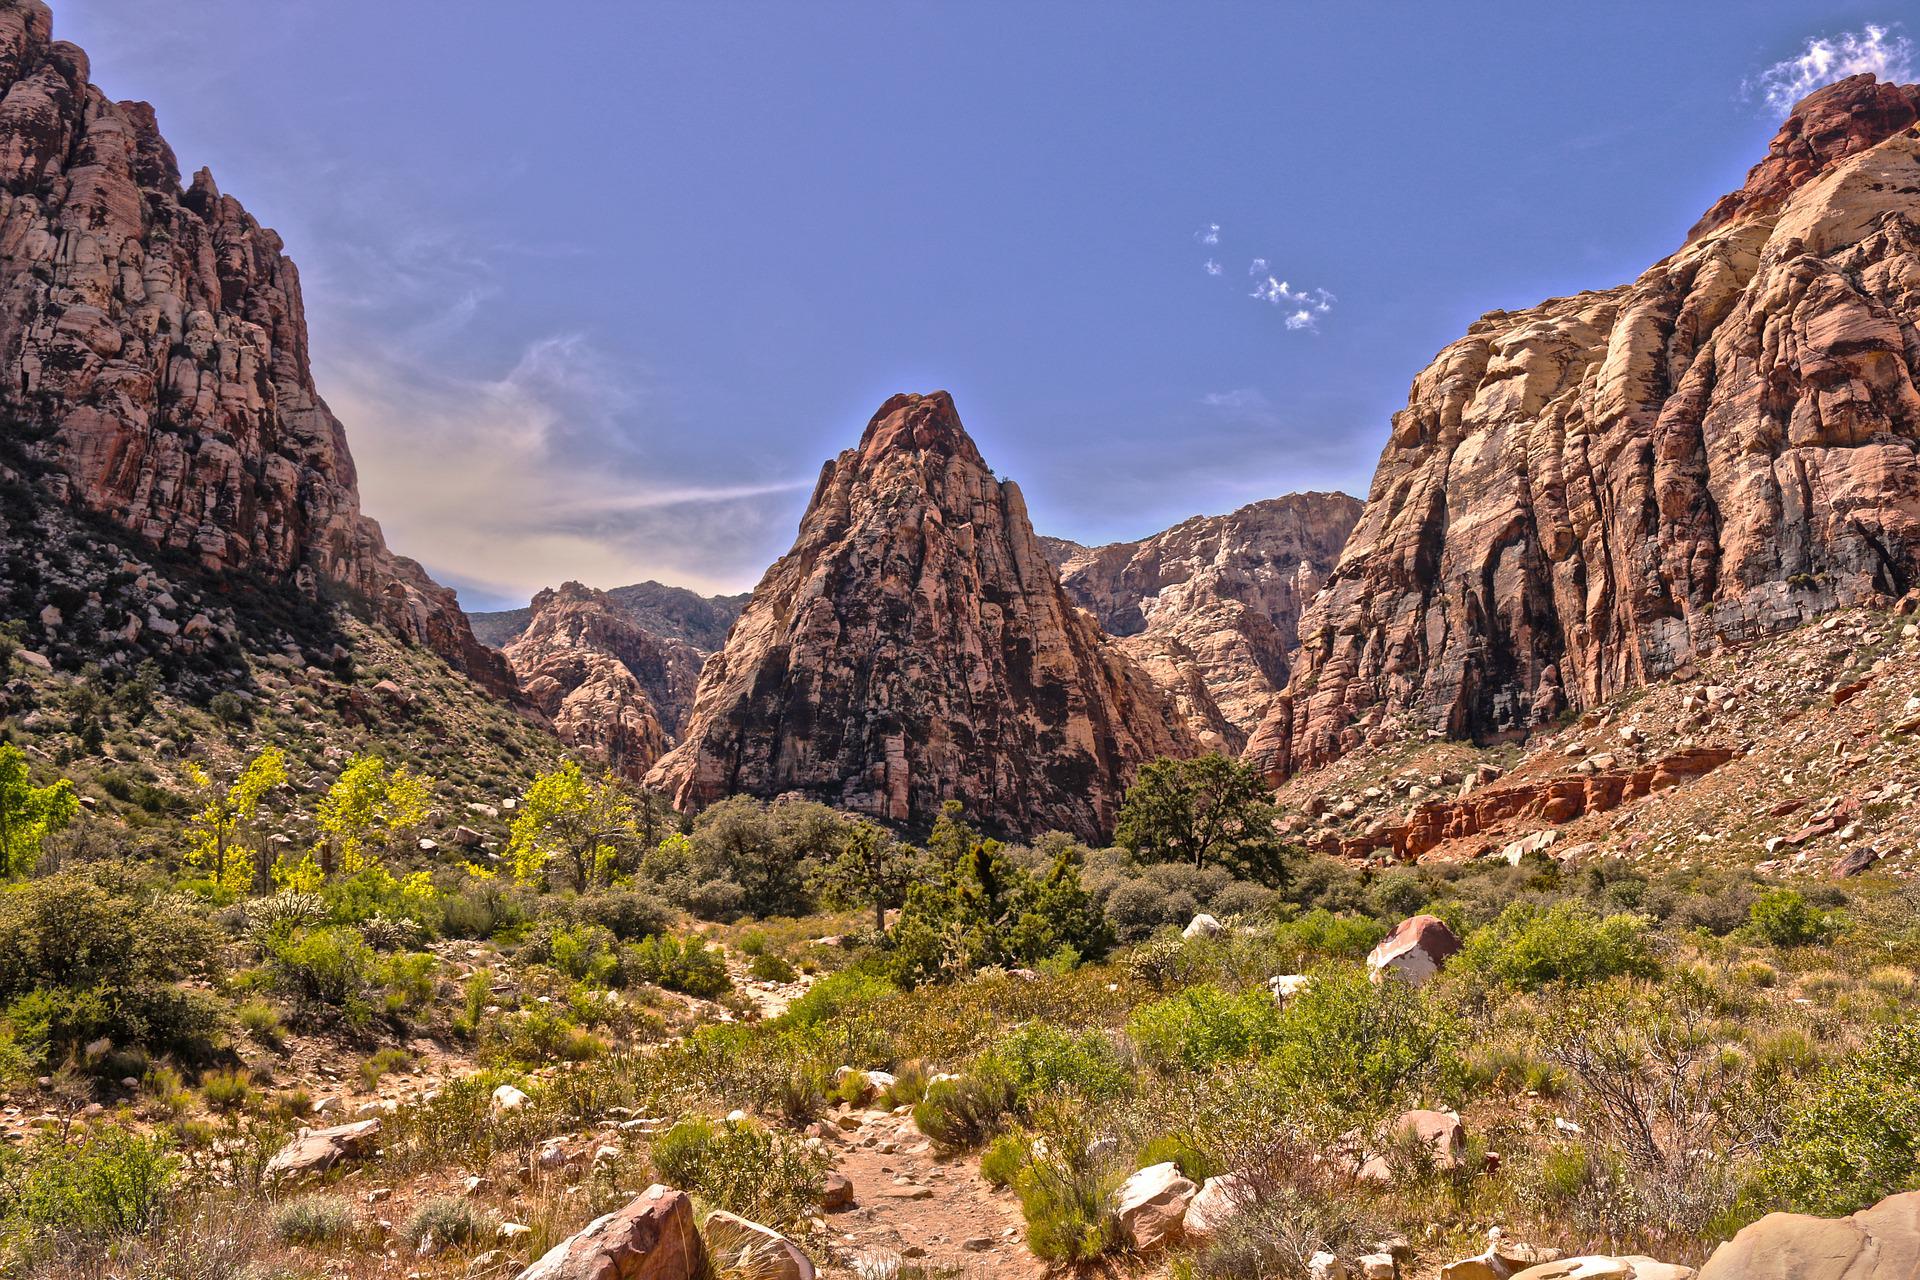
(261, 1021)
(962, 1113)
(1529, 946)
(326, 967)
(627, 914)
(482, 908)
(1346, 1047)
(768, 967)
(688, 966)
(1852, 1132)
(313, 1220)
(383, 1062)
(1321, 934)
(226, 1090)
(1003, 1159)
(109, 1183)
(981, 908)
(582, 952)
(447, 1222)
(1137, 908)
(1243, 898)
(836, 995)
(1067, 1201)
(1785, 918)
(1040, 1060)
(763, 1176)
(85, 957)
(1203, 1026)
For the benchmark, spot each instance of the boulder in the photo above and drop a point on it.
(1440, 1131)
(1599, 1267)
(836, 1192)
(314, 1151)
(1502, 1260)
(506, 1098)
(1881, 1243)
(652, 1238)
(1217, 1200)
(1202, 926)
(1286, 986)
(754, 1250)
(1152, 1204)
(1418, 948)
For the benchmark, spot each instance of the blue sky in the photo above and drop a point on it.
(598, 284)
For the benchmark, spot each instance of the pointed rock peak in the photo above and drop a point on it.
(1824, 128)
(918, 424)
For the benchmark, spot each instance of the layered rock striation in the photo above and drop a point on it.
(1586, 495)
(153, 347)
(607, 683)
(1211, 607)
(916, 646)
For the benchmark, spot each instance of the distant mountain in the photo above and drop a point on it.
(672, 613)
(1211, 607)
(1591, 494)
(915, 646)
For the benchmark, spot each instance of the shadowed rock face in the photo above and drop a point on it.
(153, 346)
(915, 646)
(607, 683)
(1581, 497)
(1211, 607)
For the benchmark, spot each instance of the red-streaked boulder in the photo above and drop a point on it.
(1418, 948)
(653, 1238)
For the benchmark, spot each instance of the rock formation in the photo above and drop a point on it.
(154, 349)
(1584, 496)
(671, 613)
(1211, 607)
(606, 683)
(916, 646)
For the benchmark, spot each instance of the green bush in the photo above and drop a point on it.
(110, 1183)
(628, 914)
(1852, 1131)
(836, 995)
(1067, 1201)
(768, 967)
(327, 967)
(763, 1176)
(1350, 1048)
(1204, 1026)
(1040, 1061)
(688, 966)
(1529, 946)
(962, 1113)
(1785, 918)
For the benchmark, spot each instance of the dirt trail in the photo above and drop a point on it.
(910, 1204)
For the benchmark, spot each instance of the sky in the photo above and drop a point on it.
(597, 285)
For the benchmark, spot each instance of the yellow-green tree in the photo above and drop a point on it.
(28, 814)
(571, 828)
(366, 810)
(224, 841)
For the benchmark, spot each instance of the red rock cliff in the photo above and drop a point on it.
(1581, 497)
(153, 346)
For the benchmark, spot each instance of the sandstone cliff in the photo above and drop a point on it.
(607, 683)
(916, 646)
(1586, 495)
(1211, 607)
(671, 613)
(154, 349)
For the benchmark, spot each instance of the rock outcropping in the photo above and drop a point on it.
(1211, 607)
(607, 683)
(915, 646)
(671, 613)
(154, 349)
(1584, 496)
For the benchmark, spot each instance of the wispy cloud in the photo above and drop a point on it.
(1209, 236)
(1213, 268)
(495, 481)
(1825, 59)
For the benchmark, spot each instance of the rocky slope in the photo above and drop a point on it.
(606, 682)
(1211, 607)
(916, 646)
(1587, 495)
(671, 613)
(154, 349)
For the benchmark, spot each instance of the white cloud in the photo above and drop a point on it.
(1257, 267)
(1308, 304)
(1213, 268)
(1210, 236)
(1826, 59)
